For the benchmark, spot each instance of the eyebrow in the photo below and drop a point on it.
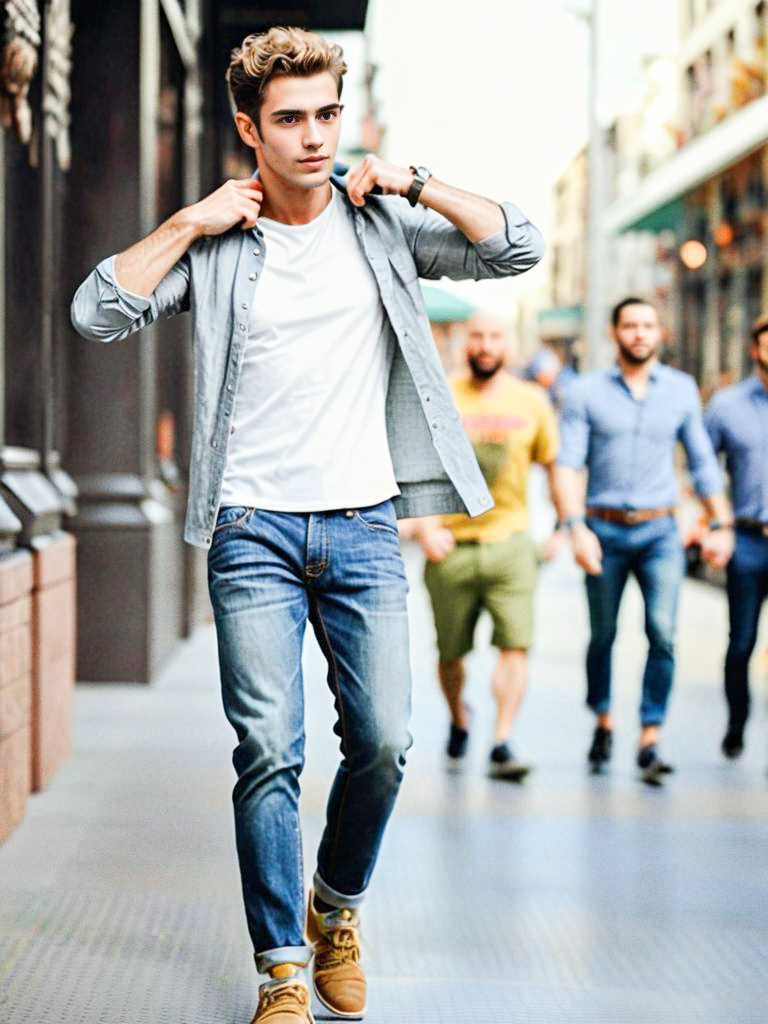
(302, 113)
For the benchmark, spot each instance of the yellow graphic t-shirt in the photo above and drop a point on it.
(510, 426)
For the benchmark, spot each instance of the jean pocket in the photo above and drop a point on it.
(231, 516)
(375, 520)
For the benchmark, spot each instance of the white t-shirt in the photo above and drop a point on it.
(309, 420)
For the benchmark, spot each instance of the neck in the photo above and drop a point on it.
(636, 372)
(762, 373)
(289, 205)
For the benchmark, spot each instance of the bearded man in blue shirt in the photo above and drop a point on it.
(737, 421)
(622, 426)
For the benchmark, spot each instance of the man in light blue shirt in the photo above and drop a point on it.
(737, 421)
(622, 425)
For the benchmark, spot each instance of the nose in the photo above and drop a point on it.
(312, 137)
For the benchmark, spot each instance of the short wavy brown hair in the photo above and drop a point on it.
(281, 51)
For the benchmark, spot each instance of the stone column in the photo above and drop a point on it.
(129, 547)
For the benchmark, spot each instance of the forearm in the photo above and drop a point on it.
(556, 491)
(568, 491)
(142, 267)
(718, 507)
(476, 217)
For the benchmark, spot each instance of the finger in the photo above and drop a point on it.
(360, 183)
(250, 214)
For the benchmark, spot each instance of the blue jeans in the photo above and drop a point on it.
(747, 589)
(653, 553)
(268, 573)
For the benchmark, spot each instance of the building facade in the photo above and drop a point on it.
(702, 208)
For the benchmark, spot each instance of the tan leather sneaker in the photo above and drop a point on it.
(338, 977)
(284, 999)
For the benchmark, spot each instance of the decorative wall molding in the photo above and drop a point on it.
(18, 64)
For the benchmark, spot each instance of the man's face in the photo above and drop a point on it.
(298, 130)
(638, 333)
(486, 345)
(760, 351)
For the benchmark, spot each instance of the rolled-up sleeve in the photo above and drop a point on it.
(702, 461)
(102, 310)
(441, 250)
(574, 429)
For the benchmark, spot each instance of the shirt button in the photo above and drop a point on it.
(241, 326)
(229, 387)
(245, 305)
(434, 425)
(256, 251)
(349, 513)
(214, 445)
(251, 277)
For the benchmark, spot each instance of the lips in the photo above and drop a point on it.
(314, 161)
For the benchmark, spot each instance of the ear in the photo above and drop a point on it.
(247, 130)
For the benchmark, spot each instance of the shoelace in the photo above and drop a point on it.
(272, 996)
(339, 946)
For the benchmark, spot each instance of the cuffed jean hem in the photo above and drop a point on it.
(333, 898)
(299, 955)
(600, 707)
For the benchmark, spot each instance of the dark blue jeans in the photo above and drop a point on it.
(269, 573)
(747, 589)
(652, 552)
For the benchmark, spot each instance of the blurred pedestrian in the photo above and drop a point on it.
(622, 425)
(548, 370)
(737, 421)
(319, 400)
(490, 563)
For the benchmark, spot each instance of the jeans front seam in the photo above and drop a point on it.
(333, 677)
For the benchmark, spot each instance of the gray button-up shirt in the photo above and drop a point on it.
(433, 460)
(628, 444)
(737, 421)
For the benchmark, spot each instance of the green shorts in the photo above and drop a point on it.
(499, 577)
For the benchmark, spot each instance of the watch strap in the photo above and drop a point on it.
(420, 178)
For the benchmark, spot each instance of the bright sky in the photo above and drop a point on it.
(491, 95)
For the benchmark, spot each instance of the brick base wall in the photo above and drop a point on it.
(16, 578)
(53, 654)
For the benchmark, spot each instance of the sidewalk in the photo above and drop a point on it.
(569, 900)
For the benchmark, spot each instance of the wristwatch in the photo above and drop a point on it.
(420, 178)
(718, 524)
(570, 522)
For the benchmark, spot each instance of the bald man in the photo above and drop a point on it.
(489, 562)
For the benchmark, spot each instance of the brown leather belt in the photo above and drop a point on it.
(755, 526)
(629, 516)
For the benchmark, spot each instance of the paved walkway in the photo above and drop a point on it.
(568, 900)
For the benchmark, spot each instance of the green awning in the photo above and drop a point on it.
(668, 217)
(443, 307)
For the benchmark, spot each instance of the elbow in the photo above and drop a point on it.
(84, 324)
(531, 248)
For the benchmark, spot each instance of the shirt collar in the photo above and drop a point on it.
(616, 374)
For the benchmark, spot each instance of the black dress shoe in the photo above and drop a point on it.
(733, 741)
(602, 746)
(652, 768)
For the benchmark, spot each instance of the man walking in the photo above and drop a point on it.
(321, 414)
(490, 562)
(622, 426)
(737, 421)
